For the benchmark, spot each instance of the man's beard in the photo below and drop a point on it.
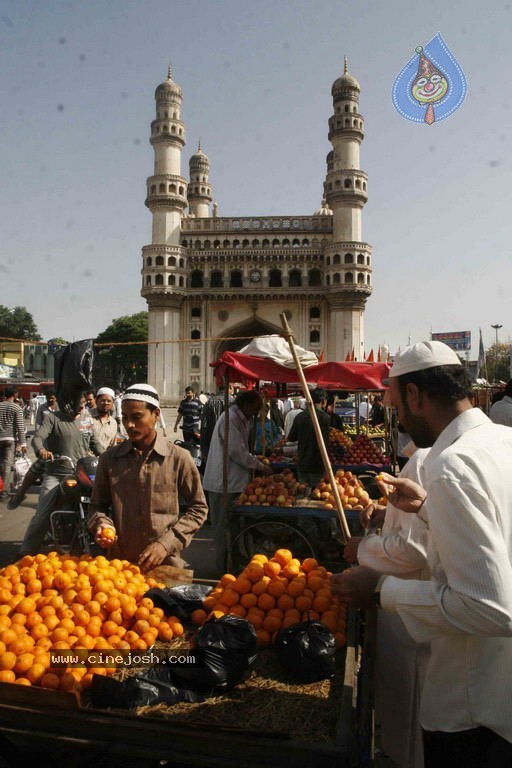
(418, 428)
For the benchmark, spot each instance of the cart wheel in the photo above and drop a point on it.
(264, 538)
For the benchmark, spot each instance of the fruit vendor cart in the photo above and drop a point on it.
(312, 530)
(54, 728)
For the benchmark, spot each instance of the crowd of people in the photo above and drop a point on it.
(437, 560)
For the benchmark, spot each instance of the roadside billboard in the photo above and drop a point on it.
(460, 341)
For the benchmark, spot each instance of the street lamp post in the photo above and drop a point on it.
(496, 327)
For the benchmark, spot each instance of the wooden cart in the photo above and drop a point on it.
(54, 727)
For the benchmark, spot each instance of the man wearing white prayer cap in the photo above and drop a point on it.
(104, 426)
(464, 611)
(140, 485)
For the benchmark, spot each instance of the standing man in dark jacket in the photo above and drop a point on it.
(12, 431)
(310, 465)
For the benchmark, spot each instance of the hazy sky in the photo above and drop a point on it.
(77, 82)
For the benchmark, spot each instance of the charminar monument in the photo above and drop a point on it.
(209, 278)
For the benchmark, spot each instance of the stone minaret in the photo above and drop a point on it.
(164, 266)
(347, 257)
(199, 189)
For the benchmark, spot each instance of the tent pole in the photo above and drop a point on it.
(318, 432)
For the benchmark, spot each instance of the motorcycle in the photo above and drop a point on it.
(68, 523)
(193, 449)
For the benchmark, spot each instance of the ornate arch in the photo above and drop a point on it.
(253, 326)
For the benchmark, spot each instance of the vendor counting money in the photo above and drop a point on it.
(139, 485)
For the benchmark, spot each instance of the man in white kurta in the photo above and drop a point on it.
(464, 612)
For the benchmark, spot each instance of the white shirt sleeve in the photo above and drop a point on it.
(471, 587)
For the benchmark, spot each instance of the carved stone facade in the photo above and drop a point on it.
(212, 283)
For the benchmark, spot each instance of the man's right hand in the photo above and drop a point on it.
(267, 470)
(46, 455)
(105, 536)
(403, 493)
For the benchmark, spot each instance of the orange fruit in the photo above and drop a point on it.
(321, 603)
(271, 624)
(16, 618)
(291, 570)
(176, 626)
(254, 571)
(49, 680)
(8, 635)
(248, 600)
(261, 586)
(26, 605)
(230, 597)
(330, 620)
(303, 603)
(39, 631)
(259, 558)
(164, 631)
(266, 602)
(263, 638)
(277, 587)
(296, 587)
(22, 681)
(282, 556)
(289, 621)
(228, 578)
(23, 663)
(309, 564)
(238, 610)
(34, 585)
(242, 585)
(59, 634)
(35, 672)
(198, 617)
(33, 619)
(315, 582)
(285, 602)
(7, 676)
(272, 568)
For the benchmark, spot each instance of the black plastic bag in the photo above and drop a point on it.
(145, 689)
(73, 374)
(225, 648)
(179, 601)
(307, 650)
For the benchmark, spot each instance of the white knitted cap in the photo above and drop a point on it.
(143, 392)
(106, 391)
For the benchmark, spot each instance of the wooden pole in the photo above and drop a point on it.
(318, 432)
(225, 472)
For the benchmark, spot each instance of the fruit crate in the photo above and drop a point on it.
(56, 728)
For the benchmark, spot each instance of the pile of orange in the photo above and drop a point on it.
(274, 593)
(51, 602)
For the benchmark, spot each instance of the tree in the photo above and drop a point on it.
(18, 323)
(502, 356)
(121, 366)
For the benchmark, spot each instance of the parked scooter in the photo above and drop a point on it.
(68, 523)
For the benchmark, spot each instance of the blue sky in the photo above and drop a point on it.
(78, 80)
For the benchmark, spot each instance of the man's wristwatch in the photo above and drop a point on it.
(376, 592)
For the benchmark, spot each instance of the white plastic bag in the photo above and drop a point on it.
(21, 467)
